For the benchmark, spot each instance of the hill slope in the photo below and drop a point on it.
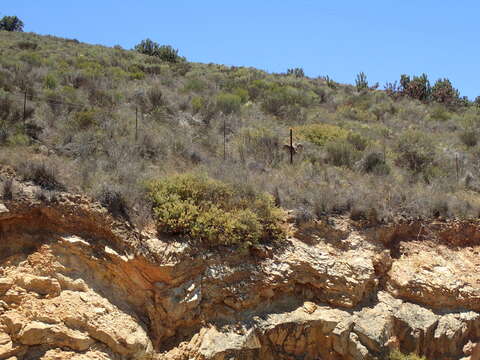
(105, 120)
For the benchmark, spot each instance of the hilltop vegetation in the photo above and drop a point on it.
(410, 150)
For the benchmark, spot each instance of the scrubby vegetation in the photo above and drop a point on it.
(397, 355)
(209, 210)
(106, 121)
(11, 23)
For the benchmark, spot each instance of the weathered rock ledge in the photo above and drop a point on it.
(77, 284)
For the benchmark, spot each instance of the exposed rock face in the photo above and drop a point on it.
(76, 284)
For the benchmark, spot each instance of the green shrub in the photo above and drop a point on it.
(416, 150)
(197, 104)
(147, 47)
(50, 82)
(297, 72)
(18, 139)
(443, 92)
(417, 88)
(341, 153)
(361, 81)
(469, 137)
(27, 45)
(196, 85)
(213, 212)
(31, 58)
(42, 174)
(374, 162)
(11, 23)
(358, 141)
(262, 143)
(397, 355)
(242, 93)
(320, 134)
(85, 119)
(277, 98)
(137, 75)
(440, 113)
(164, 52)
(168, 53)
(155, 97)
(228, 103)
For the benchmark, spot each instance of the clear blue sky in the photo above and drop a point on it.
(336, 38)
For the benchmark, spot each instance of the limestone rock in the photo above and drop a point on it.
(37, 333)
(3, 209)
(5, 285)
(414, 325)
(40, 284)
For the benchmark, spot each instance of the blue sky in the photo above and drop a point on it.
(336, 38)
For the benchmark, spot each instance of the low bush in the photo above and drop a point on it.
(374, 162)
(320, 134)
(197, 104)
(50, 81)
(8, 189)
(341, 153)
(42, 174)
(84, 119)
(114, 201)
(27, 45)
(228, 103)
(164, 52)
(397, 355)
(469, 137)
(297, 72)
(416, 150)
(201, 208)
(195, 85)
(358, 141)
(155, 97)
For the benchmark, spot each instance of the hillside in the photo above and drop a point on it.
(365, 152)
(152, 208)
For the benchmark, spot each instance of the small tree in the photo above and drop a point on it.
(168, 53)
(152, 48)
(476, 102)
(297, 72)
(416, 150)
(443, 92)
(361, 81)
(147, 47)
(392, 89)
(11, 23)
(417, 88)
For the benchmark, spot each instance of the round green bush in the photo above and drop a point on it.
(211, 211)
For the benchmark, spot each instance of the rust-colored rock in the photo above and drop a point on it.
(77, 284)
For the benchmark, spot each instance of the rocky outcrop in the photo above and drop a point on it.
(77, 284)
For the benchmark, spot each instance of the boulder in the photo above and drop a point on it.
(38, 333)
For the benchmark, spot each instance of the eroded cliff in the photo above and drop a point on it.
(77, 284)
